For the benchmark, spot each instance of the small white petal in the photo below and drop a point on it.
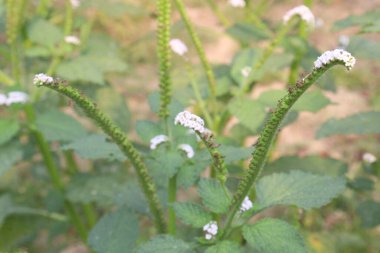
(190, 121)
(178, 46)
(237, 3)
(208, 236)
(41, 78)
(157, 140)
(188, 150)
(335, 55)
(246, 71)
(369, 158)
(72, 40)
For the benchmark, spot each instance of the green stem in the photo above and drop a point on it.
(121, 139)
(172, 197)
(53, 172)
(266, 138)
(222, 19)
(199, 48)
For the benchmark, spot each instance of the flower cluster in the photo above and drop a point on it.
(157, 140)
(211, 230)
(191, 121)
(13, 97)
(187, 149)
(178, 47)
(335, 55)
(41, 79)
(72, 40)
(246, 205)
(237, 3)
(304, 13)
(369, 158)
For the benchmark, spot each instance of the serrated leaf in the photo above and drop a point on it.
(274, 236)
(9, 155)
(8, 129)
(98, 189)
(225, 247)
(298, 188)
(165, 243)
(113, 104)
(369, 213)
(132, 197)
(250, 113)
(214, 196)
(192, 214)
(95, 146)
(44, 33)
(232, 154)
(360, 123)
(115, 232)
(314, 164)
(146, 130)
(189, 173)
(58, 126)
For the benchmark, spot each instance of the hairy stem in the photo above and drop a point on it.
(172, 197)
(268, 134)
(121, 139)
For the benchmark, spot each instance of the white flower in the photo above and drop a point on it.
(237, 3)
(246, 205)
(344, 40)
(41, 79)
(72, 40)
(246, 71)
(335, 55)
(369, 158)
(304, 13)
(211, 230)
(3, 99)
(157, 140)
(189, 120)
(188, 150)
(75, 3)
(178, 46)
(16, 97)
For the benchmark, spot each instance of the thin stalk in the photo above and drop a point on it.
(172, 197)
(215, 8)
(199, 48)
(53, 172)
(267, 136)
(121, 139)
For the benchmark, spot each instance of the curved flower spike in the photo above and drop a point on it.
(335, 55)
(304, 13)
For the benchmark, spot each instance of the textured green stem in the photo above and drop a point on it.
(121, 139)
(164, 54)
(268, 134)
(199, 48)
(172, 197)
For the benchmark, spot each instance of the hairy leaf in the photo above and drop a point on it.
(225, 247)
(250, 113)
(44, 33)
(9, 155)
(192, 214)
(298, 188)
(165, 243)
(369, 213)
(8, 129)
(214, 196)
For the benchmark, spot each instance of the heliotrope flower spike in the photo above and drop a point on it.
(41, 79)
(335, 55)
(211, 230)
(191, 121)
(187, 149)
(157, 140)
(246, 205)
(304, 12)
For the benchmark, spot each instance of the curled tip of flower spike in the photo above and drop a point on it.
(246, 205)
(13, 97)
(187, 149)
(41, 79)
(178, 47)
(335, 55)
(191, 121)
(369, 158)
(304, 12)
(157, 140)
(237, 3)
(211, 230)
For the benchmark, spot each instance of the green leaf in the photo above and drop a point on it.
(58, 126)
(274, 236)
(214, 195)
(245, 58)
(115, 232)
(364, 48)
(314, 164)
(9, 155)
(250, 113)
(44, 33)
(189, 173)
(362, 20)
(8, 129)
(192, 214)
(361, 184)
(96, 146)
(146, 130)
(165, 243)
(298, 188)
(369, 213)
(360, 123)
(246, 33)
(225, 247)
(232, 154)
(98, 189)
(114, 105)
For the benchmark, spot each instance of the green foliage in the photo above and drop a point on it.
(246, 33)
(273, 236)
(298, 188)
(8, 129)
(165, 243)
(369, 213)
(192, 214)
(214, 195)
(9, 155)
(95, 146)
(58, 126)
(116, 232)
(225, 247)
(250, 113)
(365, 48)
(45, 33)
(360, 123)
(366, 21)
